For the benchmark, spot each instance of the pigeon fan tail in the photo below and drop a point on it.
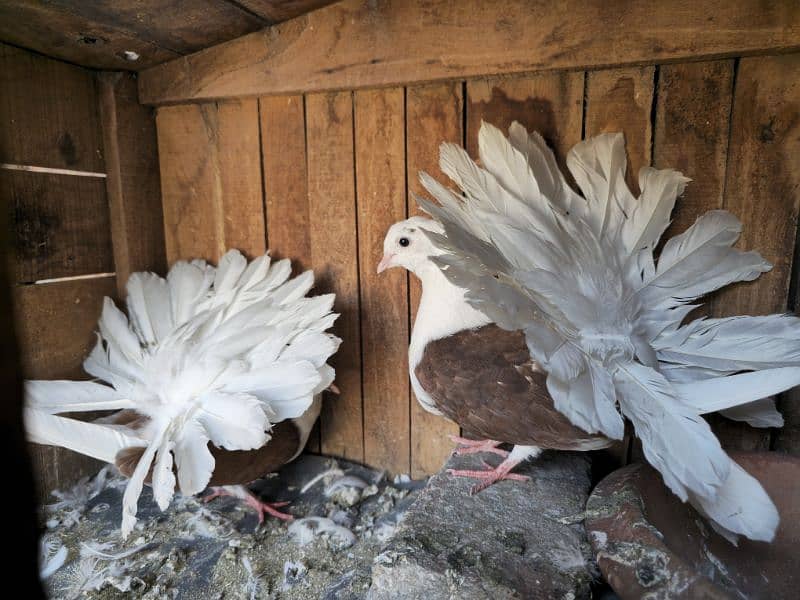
(207, 356)
(740, 507)
(603, 313)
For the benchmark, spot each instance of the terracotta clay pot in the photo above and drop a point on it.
(648, 543)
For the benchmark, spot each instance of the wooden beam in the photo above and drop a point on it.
(132, 181)
(362, 43)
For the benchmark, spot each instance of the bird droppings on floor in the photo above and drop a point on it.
(343, 513)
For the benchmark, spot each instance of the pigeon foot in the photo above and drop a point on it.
(467, 446)
(491, 475)
(261, 508)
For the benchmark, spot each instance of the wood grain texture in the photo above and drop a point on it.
(277, 11)
(550, 103)
(361, 43)
(55, 327)
(381, 200)
(433, 115)
(691, 135)
(132, 182)
(621, 100)
(334, 252)
(60, 225)
(283, 148)
(74, 38)
(48, 113)
(763, 188)
(211, 179)
(283, 153)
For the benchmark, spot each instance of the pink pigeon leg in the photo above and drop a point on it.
(261, 508)
(491, 475)
(502, 471)
(468, 446)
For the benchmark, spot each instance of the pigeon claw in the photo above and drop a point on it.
(491, 475)
(467, 446)
(261, 508)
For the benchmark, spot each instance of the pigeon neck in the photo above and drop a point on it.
(443, 311)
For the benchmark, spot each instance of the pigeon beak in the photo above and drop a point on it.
(386, 263)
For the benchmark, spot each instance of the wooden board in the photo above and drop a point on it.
(211, 179)
(692, 135)
(361, 43)
(381, 200)
(283, 153)
(433, 115)
(132, 182)
(73, 38)
(60, 225)
(334, 252)
(55, 327)
(283, 148)
(621, 100)
(98, 33)
(277, 11)
(48, 113)
(763, 186)
(550, 103)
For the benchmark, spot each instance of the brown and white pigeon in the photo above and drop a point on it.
(546, 319)
(214, 378)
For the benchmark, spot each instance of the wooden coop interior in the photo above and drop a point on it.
(300, 127)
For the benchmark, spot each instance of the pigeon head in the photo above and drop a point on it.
(406, 244)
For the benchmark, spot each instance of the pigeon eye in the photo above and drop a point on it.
(404, 241)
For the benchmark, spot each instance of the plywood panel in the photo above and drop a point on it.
(763, 185)
(211, 179)
(381, 198)
(334, 253)
(60, 225)
(132, 183)
(620, 100)
(433, 115)
(48, 113)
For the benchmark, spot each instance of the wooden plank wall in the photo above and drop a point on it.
(337, 168)
(79, 183)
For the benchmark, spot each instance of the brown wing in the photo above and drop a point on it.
(234, 467)
(484, 380)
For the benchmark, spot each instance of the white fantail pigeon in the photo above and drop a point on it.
(546, 318)
(214, 378)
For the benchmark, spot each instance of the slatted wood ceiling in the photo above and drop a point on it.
(337, 168)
